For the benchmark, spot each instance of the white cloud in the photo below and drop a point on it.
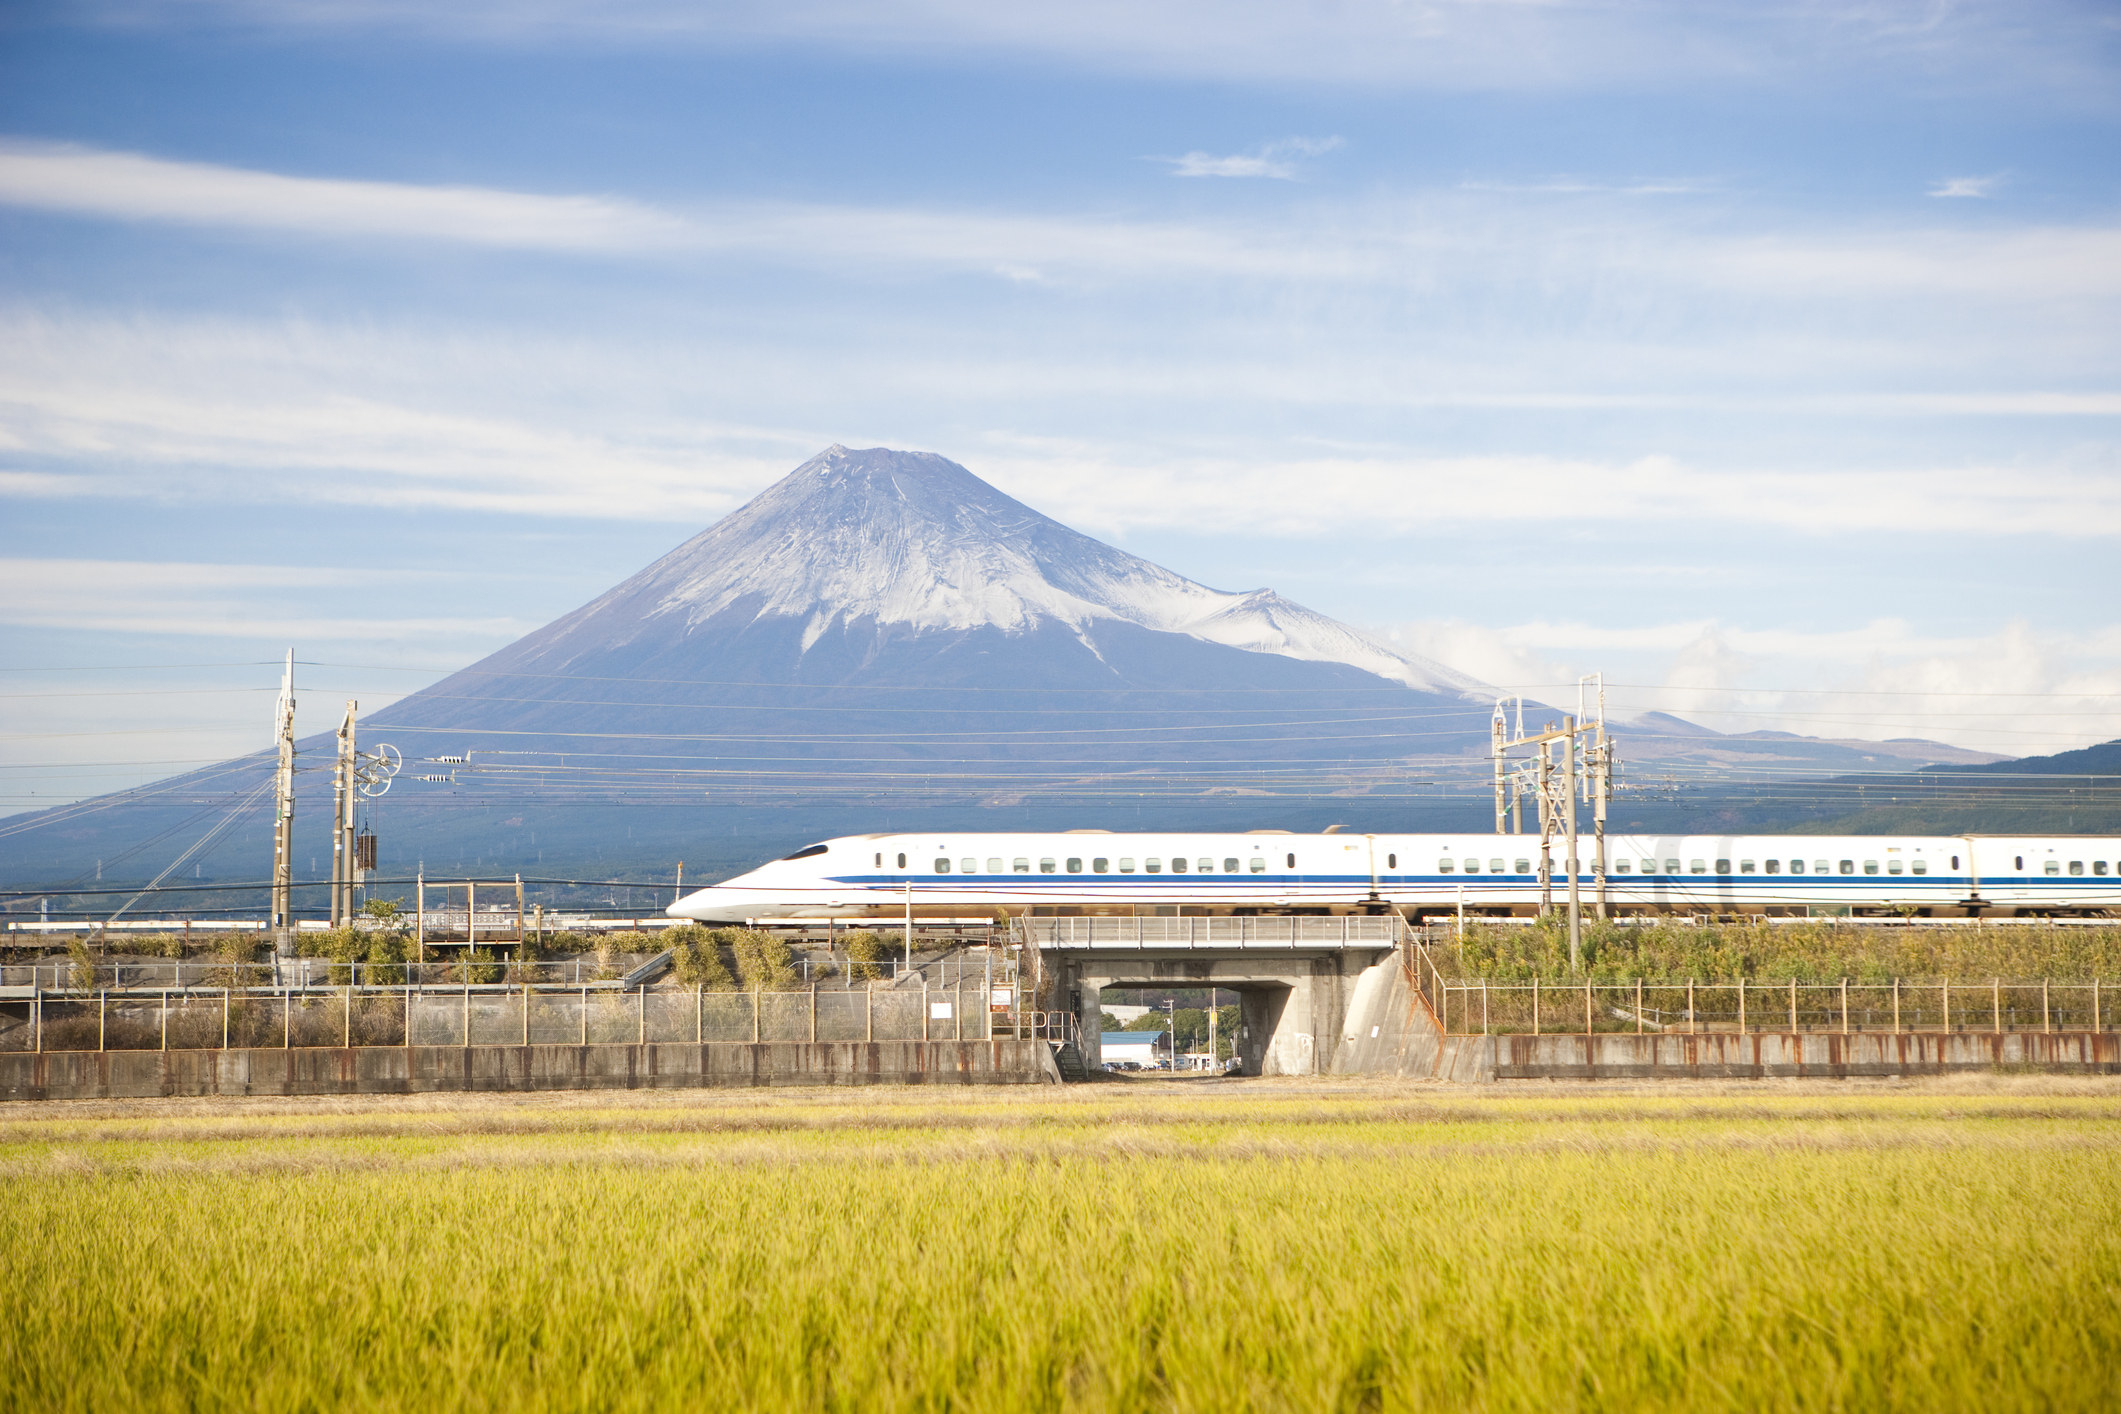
(1432, 44)
(2014, 690)
(130, 186)
(1965, 186)
(1124, 491)
(1276, 159)
(192, 600)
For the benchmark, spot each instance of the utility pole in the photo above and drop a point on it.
(1584, 768)
(1568, 757)
(342, 798)
(1598, 783)
(283, 835)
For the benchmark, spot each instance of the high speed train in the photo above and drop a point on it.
(1271, 871)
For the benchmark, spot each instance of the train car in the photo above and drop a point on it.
(1090, 872)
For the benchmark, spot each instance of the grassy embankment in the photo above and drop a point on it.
(1819, 950)
(1227, 1247)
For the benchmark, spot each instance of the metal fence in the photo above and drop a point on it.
(1476, 1006)
(1272, 933)
(136, 1019)
(310, 973)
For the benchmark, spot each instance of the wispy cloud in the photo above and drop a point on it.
(2011, 690)
(193, 600)
(1966, 186)
(1275, 159)
(1468, 44)
(133, 187)
(1583, 186)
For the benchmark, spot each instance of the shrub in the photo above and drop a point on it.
(82, 975)
(697, 958)
(762, 960)
(864, 950)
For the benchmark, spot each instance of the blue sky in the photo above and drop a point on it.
(1763, 356)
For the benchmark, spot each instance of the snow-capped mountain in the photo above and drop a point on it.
(898, 542)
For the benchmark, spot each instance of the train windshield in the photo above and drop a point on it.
(810, 853)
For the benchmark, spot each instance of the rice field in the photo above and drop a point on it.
(1207, 1245)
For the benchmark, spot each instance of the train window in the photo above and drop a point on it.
(1621, 866)
(1392, 862)
(1524, 866)
(1023, 866)
(1229, 866)
(1697, 866)
(2099, 867)
(880, 861)
(1671, 866)
(1723, 866)
(1126, 866)
(1892, 866)
(2017, 861)
(1472, 866)
(1824, 866)
(970, 866)
(942, 866)
(1870, 866)
(1292, 861)
(1955, 861)
(1100, 866)
(1207, 866)
(2054, 867)
(1774, 866)
(1045, 866)
(1444, 866)
(1152, 866)
(1649, 866)
(1848, 866)
(1745, 866)
(994, 866)
(902, 861)
(1075, 866)
(1259, 866)
(1494, 866)
(1919, 866)
(2076, 866)
(1796, 866)
(807, 853)
(1178, 864)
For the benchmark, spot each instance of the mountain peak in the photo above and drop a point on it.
(913, 540)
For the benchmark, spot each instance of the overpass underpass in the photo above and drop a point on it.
(1303, 982)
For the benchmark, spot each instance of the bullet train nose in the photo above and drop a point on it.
(715, 906)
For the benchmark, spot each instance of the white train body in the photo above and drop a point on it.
(1096, 872)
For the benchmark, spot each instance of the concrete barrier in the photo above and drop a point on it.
(1830, 1055)
(401, 1070)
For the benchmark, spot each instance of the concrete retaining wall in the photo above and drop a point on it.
(1390, 1032)
(1759, 1055)
(399, 1070)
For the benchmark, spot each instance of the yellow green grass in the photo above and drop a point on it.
(1821, 950)
(1209, 1246)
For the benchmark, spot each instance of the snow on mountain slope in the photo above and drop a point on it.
(910, 538)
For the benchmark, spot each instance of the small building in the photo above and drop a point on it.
(1144, 1048)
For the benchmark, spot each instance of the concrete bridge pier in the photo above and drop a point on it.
(1295, 1008)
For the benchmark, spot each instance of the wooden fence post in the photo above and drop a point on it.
(102, 1014)
(1995, 1000)
(1793, 1005)
(2045, 1025)
(165, 1015)
(1535, 1006)
(1638, 1006)
(225, 1005)
(1844, 1006)
(1586, 1008)
(1946, 992)
(1741, 1006)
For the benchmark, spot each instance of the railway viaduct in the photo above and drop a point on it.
(1313, 989)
